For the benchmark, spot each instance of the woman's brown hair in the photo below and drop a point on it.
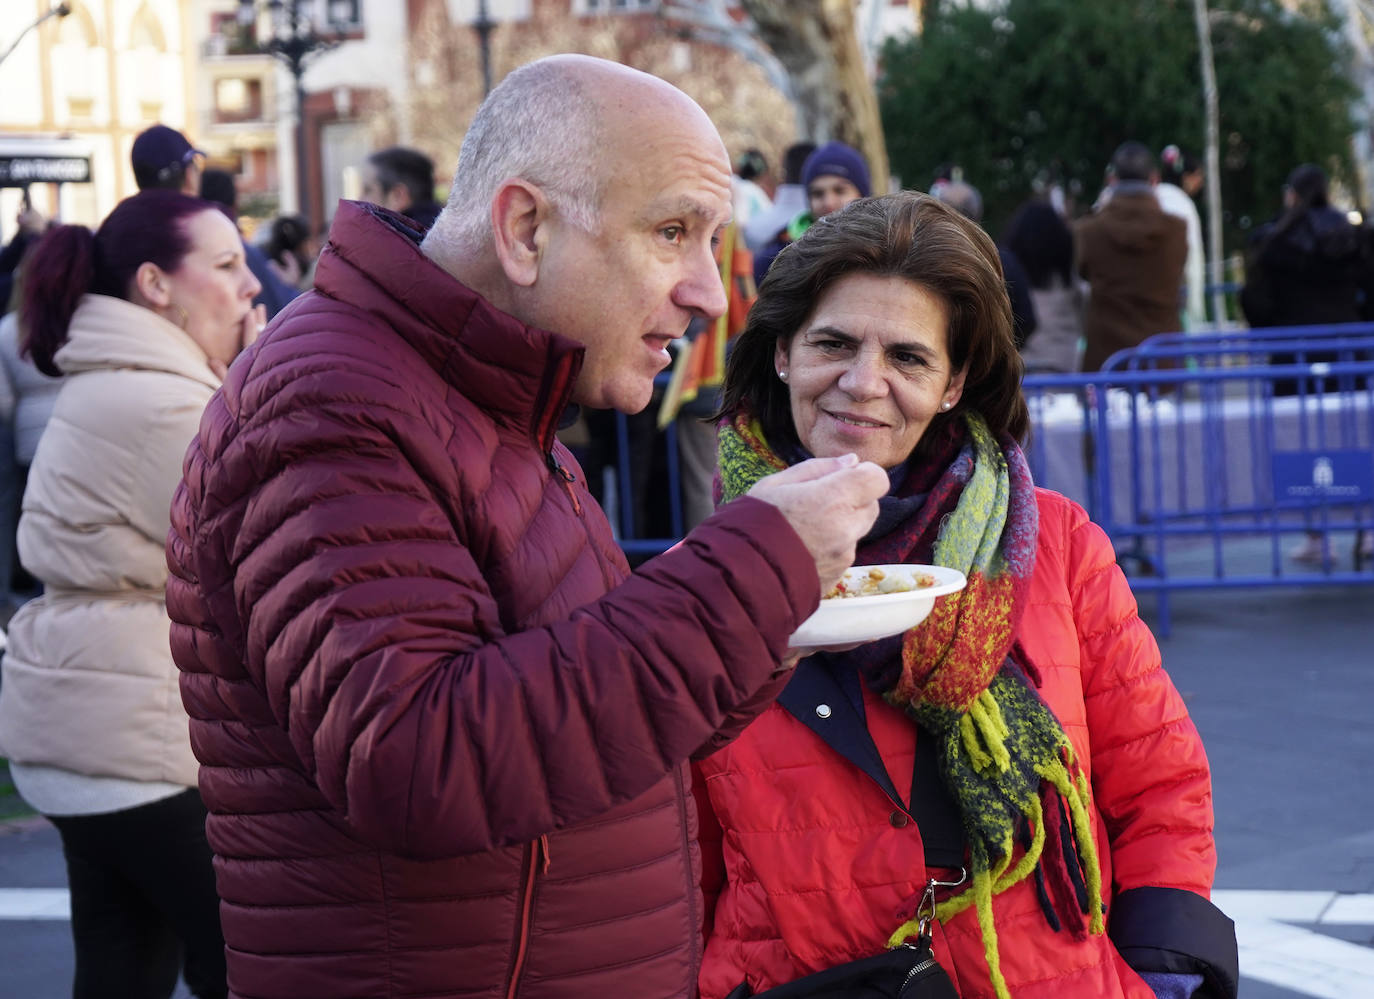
(906, 235)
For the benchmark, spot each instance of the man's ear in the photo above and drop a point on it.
(150, 281)
(519, 213)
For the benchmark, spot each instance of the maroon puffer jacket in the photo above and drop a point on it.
(442, 736)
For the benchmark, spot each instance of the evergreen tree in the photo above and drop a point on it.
(1046, 89)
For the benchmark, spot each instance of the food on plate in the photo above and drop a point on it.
(861, 582)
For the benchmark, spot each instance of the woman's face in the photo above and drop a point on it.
(214, 285)
(869, 369)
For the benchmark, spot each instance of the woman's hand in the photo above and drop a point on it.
(250, 328)
(253, 325)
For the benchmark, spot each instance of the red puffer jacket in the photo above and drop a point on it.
(442, 735)
(821, 858)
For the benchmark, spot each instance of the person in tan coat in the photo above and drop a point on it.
(1131, 253)
(143, 317)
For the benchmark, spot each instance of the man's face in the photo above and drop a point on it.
(629, 289)
(397, 199)
(829, 193)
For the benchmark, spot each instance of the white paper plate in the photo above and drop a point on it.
(845, 620)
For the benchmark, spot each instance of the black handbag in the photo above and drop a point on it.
(906, 972)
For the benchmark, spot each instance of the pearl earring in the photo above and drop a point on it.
(945, 405)
(782, 375)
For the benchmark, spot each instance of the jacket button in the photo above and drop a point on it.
(822, 710)
(899, 818)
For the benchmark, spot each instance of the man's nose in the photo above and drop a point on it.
(700, 289)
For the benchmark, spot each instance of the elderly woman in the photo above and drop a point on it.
(143, 318)
(1020, 759)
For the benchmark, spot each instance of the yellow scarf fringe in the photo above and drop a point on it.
(984, 731)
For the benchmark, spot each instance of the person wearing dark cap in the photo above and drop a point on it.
(218, 186)
(1131, 253)
(403, 180)
(163, 158)
(834, 175)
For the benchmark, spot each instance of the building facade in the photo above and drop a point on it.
(94, 79)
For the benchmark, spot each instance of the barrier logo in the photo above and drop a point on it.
(1338, 476)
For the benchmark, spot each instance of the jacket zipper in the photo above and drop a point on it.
(927, 963)
(567, 478)
(529, 869)
(919, 967)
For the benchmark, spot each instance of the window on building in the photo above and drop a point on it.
(237, 99)
(345, 14)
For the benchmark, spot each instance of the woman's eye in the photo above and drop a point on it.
(907, 360)
(672, 233)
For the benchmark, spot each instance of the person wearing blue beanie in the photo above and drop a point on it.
(833, 175)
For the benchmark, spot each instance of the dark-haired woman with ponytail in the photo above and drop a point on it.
(143, 317)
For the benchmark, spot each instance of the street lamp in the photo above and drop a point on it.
(61, 10)
(294, 41)
(483, 25)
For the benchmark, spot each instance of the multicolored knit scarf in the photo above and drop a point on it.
(961, 675)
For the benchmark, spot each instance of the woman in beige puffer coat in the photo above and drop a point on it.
(143, 318)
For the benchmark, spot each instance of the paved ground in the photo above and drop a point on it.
(1281, 684)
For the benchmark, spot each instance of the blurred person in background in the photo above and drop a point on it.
(31, 224)
(966, 198)
(292, 249)
(143, 318)
(219, 187)
(1018, 769)
(27, 396)
(789, 199)
(749, 195)
(1043, 243)
(164, 159)
(1131, 253)
(1180, 180)
(1308, 267)
(833, 175)
(402, 180)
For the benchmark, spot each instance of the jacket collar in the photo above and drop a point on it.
(107, 332)
(826, 695)
(521, 375)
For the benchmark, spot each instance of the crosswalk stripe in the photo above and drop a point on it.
(35, 903)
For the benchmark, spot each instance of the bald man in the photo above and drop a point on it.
(443, 730)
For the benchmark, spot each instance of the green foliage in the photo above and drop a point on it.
(1042, 89)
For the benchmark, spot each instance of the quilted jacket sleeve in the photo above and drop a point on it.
(1151, 780)
(381, 654)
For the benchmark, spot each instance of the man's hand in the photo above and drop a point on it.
(32, 222)
(831, 503)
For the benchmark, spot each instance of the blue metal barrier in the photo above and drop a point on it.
(1198, 476)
